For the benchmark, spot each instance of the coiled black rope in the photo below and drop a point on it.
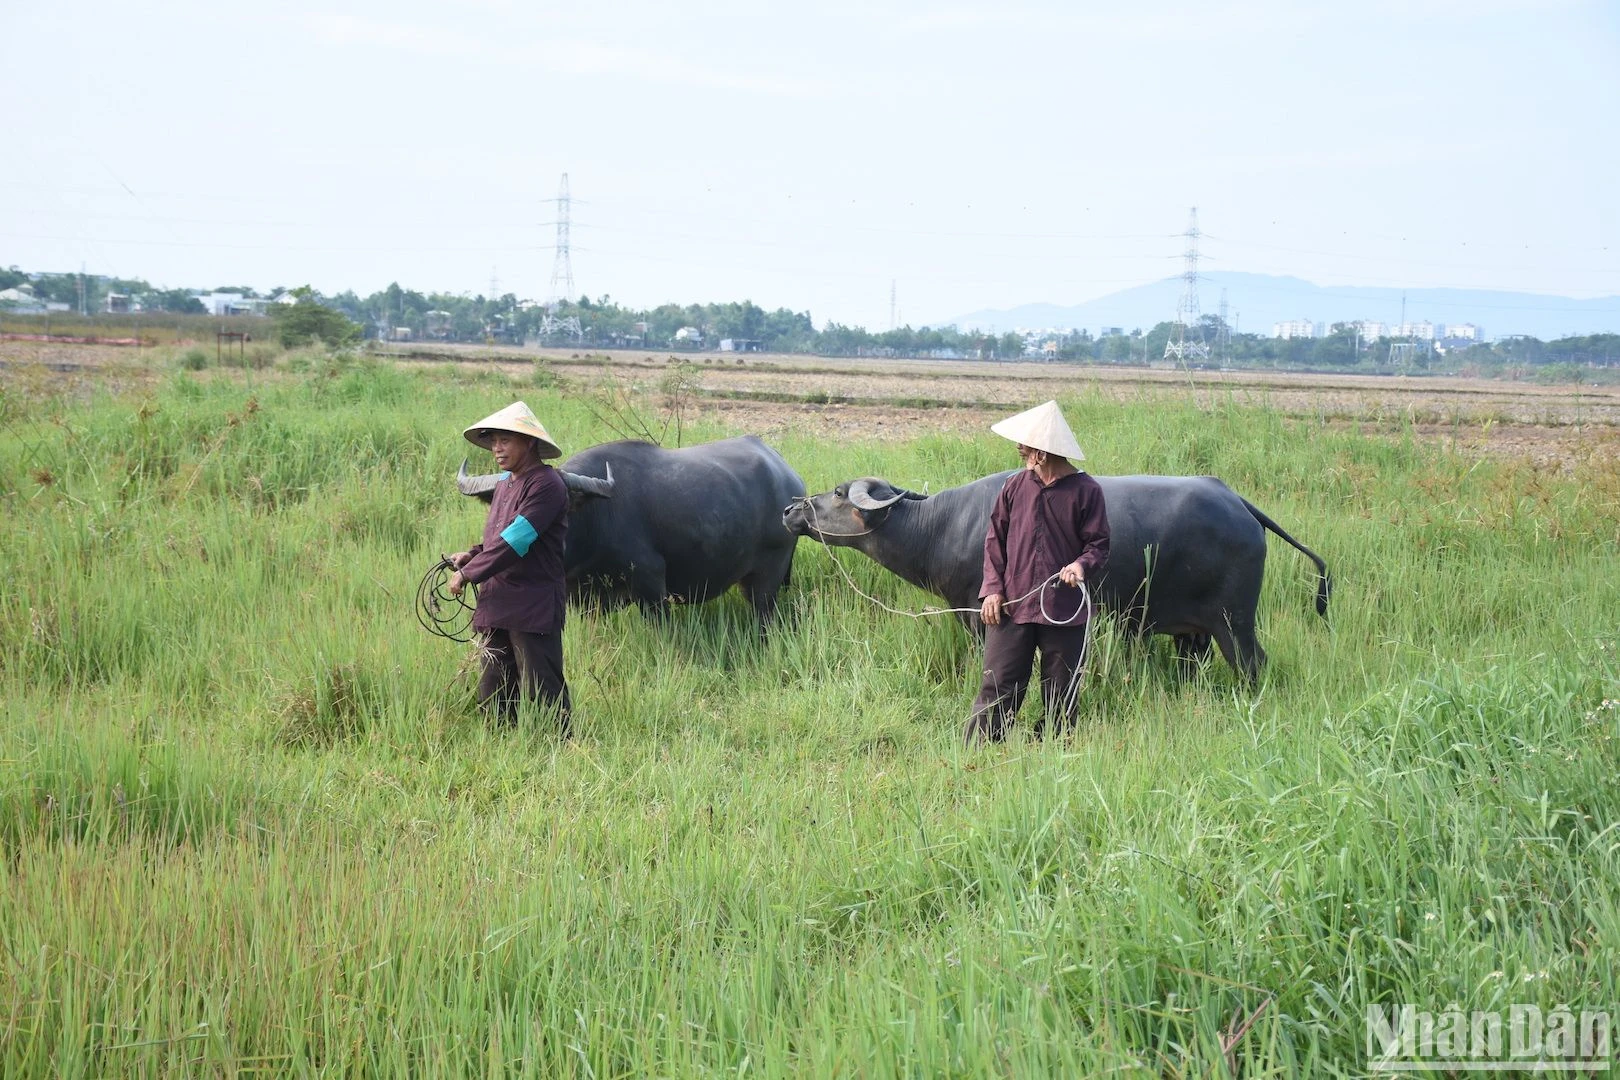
(440, 613)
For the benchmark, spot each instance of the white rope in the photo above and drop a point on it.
(1080, 670)
(1039, 590)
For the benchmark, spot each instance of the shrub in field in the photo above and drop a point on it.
(334, 703)
(194, 360)
(368, 382)
(256, 357)
(308, 320)
(543, 377)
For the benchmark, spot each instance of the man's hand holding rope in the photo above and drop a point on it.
(990, 611)
(457, 582)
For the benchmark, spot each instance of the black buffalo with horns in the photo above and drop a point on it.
(658, 526)
(1186, 553)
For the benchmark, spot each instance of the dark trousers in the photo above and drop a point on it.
(1009, 650)
(522, 667)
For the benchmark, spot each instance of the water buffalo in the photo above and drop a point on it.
(659, 526)
(1186, 553)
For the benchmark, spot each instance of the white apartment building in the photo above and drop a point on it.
(1418, 331)
(1294, 328)
(1462, 332)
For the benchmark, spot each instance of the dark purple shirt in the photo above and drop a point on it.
(519, 567)
(1035, 531)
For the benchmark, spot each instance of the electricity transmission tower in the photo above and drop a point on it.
(562, 266)
(1402, 355)
(562, 275)
(1186, 342)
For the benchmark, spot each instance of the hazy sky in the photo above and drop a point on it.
(805, 155)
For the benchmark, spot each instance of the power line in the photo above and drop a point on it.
(277, 247)
(123, 189)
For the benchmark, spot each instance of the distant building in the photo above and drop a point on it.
(1111, 331)
(1370, 330)
(119, 304)
(689, 335)
(1417, 331)
(1295, 328)
(1462, 332)
(437, 325)
(741, 345)
(232, 304)
(21, 302)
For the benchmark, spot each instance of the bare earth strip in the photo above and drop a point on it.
(1553, 427)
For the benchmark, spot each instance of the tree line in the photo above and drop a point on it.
(399, 313)
(64, 289)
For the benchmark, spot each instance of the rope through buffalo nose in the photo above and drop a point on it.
(1038, 591)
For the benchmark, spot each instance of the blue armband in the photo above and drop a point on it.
(519, 535)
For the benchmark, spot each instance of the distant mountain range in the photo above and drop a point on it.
(1256, 301)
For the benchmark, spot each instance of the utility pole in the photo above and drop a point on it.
(894, 317)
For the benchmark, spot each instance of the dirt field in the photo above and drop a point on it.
(1554, 427)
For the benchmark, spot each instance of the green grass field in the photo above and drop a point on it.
(252, 822)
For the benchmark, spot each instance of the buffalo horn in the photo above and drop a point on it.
(482, 484)
(590, 485)
(860, 495)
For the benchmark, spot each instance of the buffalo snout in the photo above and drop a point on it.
(795, 517)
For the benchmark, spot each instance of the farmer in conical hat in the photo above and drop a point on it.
(1048, 523)
(518, 568)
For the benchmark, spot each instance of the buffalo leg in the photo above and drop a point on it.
(1191, 649)
(1241, 648)
(648, 587)
(761, 588)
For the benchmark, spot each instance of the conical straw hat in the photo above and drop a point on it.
(517, 418)
(1041, 428)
